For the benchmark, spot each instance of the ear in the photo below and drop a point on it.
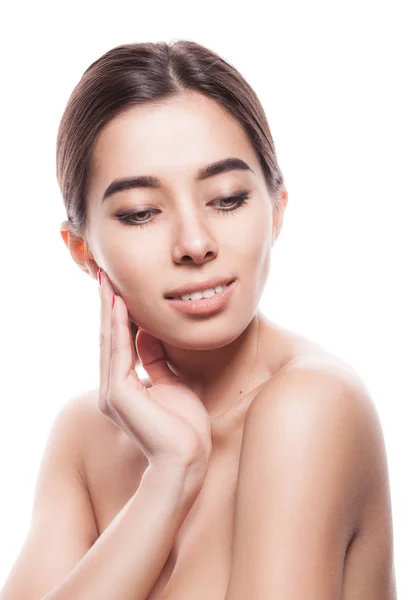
(79, 250)
(278, 213)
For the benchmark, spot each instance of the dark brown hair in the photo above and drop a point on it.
(148, 73)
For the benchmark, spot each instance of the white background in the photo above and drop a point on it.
(338, 82)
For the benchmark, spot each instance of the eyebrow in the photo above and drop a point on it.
(150, 181)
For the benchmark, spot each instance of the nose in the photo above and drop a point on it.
(193, 242)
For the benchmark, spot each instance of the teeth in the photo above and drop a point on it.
(196, 295)
(208, 293)
(204, 294)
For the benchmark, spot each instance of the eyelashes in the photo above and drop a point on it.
(239, 200)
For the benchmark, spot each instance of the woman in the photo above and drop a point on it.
(250, 463)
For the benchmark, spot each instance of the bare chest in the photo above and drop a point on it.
(199, 563)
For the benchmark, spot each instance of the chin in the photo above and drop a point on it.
(206, 334)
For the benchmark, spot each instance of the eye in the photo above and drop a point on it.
(127, 218)
(238, 200)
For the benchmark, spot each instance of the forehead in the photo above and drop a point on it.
(176, 135)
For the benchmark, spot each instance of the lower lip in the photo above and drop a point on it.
(204, 306)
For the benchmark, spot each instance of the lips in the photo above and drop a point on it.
(197, 287)
(205, 307)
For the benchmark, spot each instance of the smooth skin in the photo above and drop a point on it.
(171, 427)
(167, 420)
(190, 233)
(312, 517)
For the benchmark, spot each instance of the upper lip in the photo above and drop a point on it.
(189, 288)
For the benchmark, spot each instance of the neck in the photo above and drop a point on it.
(219, 376)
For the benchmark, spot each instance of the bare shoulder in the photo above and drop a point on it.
(80, 420)
(319, 397)
(315, 377)
(98, 432)
(325, 384)
(92, 421)
(313, 467)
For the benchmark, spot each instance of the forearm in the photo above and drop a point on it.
(128, 557)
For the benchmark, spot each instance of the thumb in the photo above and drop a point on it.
(153, 358)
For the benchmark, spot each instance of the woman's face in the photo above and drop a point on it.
(188, 233)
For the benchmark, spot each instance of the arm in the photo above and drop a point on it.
(128, 557)
(304, 469)
(63, 557)
(63, 526)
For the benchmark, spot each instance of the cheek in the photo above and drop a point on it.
(132, 270)
(254, 257)
(133, 257)
(255, 242)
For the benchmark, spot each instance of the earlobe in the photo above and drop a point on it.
(79, 251)
(64, 235)
(278, 215)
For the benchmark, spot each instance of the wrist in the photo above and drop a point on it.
(185, 480)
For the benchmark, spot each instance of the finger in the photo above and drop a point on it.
(125, 317)
(122, 364)
(153, 358)
(106, 293)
